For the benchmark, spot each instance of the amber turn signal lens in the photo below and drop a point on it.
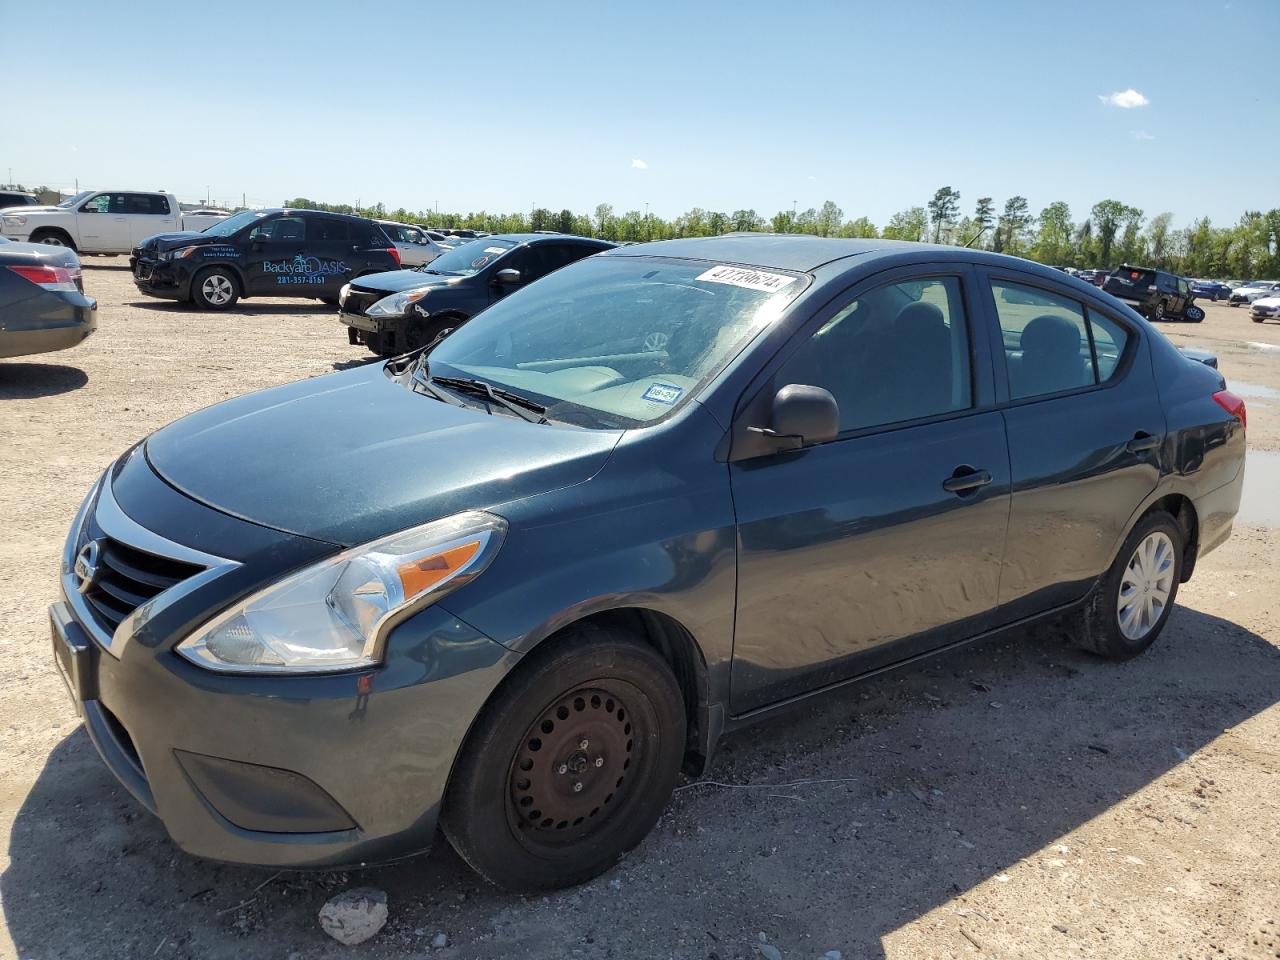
(423, 574)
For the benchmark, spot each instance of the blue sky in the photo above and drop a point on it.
(500, 106)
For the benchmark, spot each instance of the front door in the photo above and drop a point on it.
(887, 541)
(275, 261)
(104, 226)
(1085, 431)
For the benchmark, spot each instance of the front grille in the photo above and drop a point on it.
(358, 300)
(127, 578)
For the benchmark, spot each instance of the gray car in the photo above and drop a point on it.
(42, 303)
(513, 586)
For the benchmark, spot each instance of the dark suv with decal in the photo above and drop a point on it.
(262, 253)
(396, 312)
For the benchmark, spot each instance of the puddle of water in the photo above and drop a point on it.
(1252, 390)
(1259, 504)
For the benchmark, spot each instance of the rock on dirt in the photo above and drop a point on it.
(354, 916)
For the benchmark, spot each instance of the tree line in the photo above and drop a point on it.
(1111, 233)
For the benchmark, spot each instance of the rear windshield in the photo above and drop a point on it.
(1134, 277)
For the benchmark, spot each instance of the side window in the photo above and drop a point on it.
(1109, 340)
(1183, 289)
(280, 230)
(324, 230)
(148, 204)
(896, 353)
(1046, 342)
(102, 204)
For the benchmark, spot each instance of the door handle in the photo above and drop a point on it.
(1142, 441)
(966, 479)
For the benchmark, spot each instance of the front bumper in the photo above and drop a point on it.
(367, 324)
(51, 321)
(303, 771)
(160, 278)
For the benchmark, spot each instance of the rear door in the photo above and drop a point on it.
(1085, 429)
(886, 542)
(148, 214)
(330, 260)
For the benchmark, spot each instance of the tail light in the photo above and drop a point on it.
(51, 278)
(1234, 405)
(395, 255)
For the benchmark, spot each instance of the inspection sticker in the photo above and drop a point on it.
(744, 277)
(495, 249)
(662, 393)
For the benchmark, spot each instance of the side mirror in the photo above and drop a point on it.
(801, 415)
(505, 277)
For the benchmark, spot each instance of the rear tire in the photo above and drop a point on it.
(215, 288)
(570, 765)
(1157, 312)
(1132, 603)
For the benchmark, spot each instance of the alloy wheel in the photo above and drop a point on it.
(217, 289)
(1145, 586)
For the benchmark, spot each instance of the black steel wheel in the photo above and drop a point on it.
(570, 764)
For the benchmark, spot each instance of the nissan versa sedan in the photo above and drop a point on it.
(657, 494)
(42, 303)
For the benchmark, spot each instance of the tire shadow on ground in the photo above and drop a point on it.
(948, 772)
(20, 380)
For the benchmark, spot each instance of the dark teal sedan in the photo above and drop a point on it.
(515, 584)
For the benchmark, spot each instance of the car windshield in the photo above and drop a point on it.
(233, 223)
(617, 341)
(471, 257)
(72, 201)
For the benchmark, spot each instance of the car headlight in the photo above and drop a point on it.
(342, 294)
(15, 221)
(396, 304)
(177, 254)
(335, 615)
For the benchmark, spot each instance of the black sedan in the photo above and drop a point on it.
(42, 302)
(513, 585)
(406, 309)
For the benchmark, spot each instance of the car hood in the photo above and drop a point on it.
(179, 238)
(354, 456)
(1270, 300)
(393, 281)
(28, 208)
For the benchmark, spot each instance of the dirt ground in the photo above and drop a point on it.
(1015, 799)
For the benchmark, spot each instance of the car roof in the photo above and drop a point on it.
(784, 251)
(265, 211)
(544, 237)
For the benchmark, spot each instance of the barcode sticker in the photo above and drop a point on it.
(746, 277)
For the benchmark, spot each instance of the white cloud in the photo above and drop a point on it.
(639, 165)
(1124, 99)
(812, 177)
(1140, 135)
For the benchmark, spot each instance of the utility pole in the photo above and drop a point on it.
(648, 234)
(793, 216)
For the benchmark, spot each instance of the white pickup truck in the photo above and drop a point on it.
(101, 221)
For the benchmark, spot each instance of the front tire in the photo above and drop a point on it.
(1134, 599)
(1194, 314)
(53, 238)
(215, 289)
(570, 765)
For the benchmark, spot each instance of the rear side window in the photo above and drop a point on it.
(324, 230)
(1109, 341)
(1050, 346)
(898, 352)
(147, 204)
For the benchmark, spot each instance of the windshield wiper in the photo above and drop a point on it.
(530, 410)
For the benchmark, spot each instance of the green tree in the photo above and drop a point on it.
(942, 210)
(910, 224)
(1157, 240)
(829, 219)
(1107, 216)
(604, 221)
(541, 219)
(861, 227)
(1012, 226)
(781, 222)
(1053, 241)
(746, 220)
(717, 223)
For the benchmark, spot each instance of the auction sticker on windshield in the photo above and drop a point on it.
(744, 277)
